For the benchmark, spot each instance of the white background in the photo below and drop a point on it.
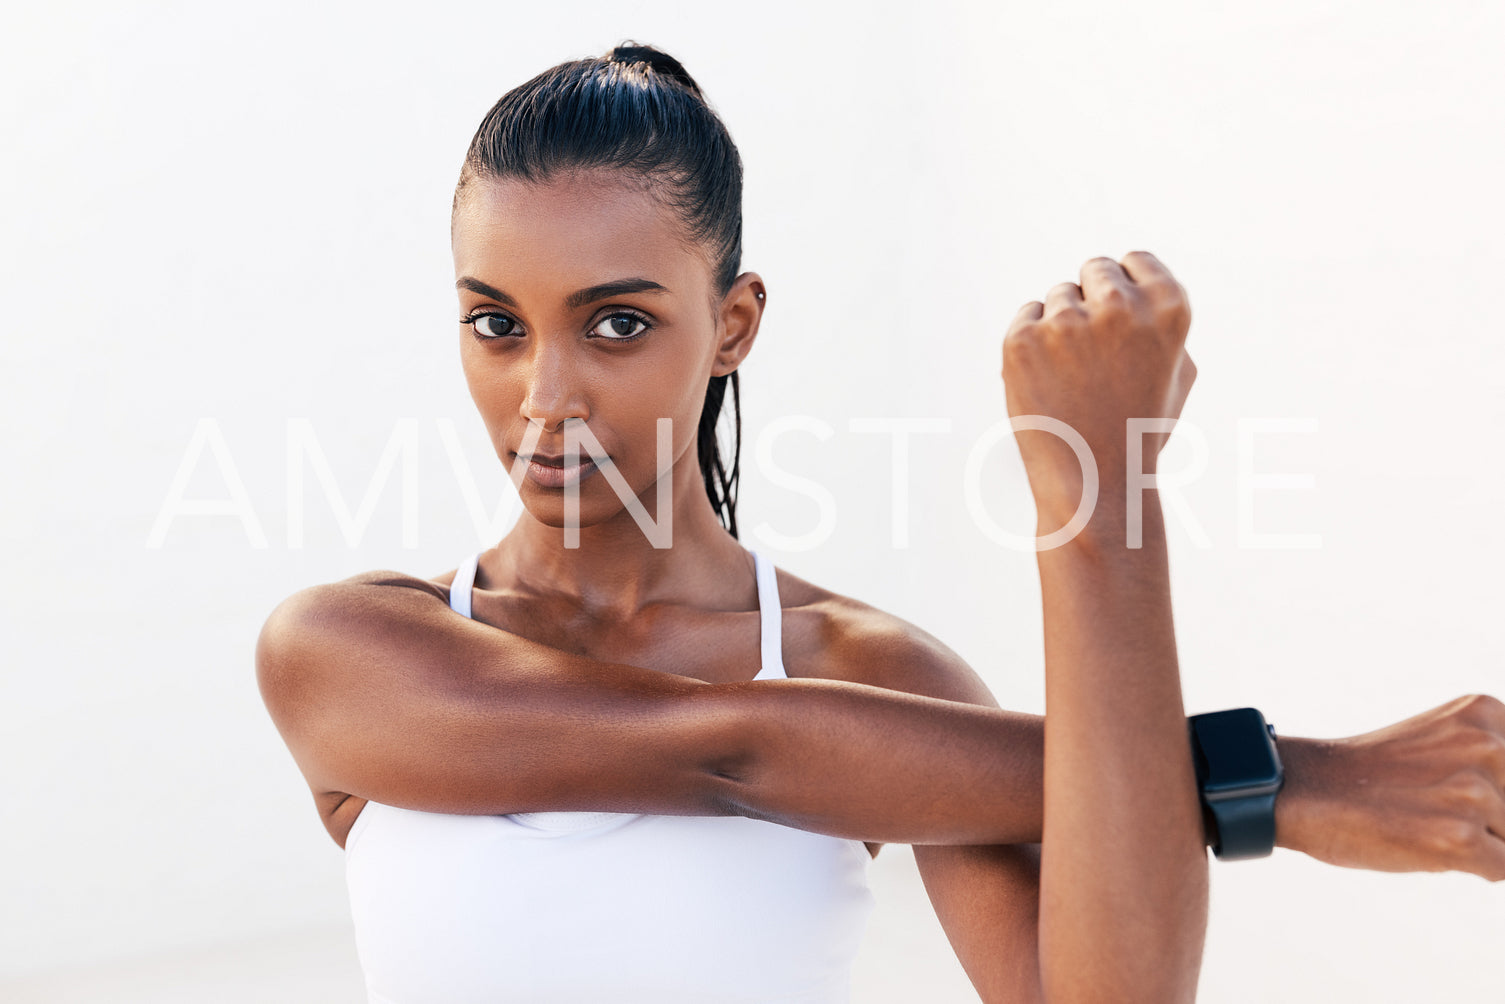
(243, 217)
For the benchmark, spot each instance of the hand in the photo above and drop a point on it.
(1093, 356)
(1425, 794)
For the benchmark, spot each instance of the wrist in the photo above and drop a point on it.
(1057, 500)
(1109, 530)
(1299, 806)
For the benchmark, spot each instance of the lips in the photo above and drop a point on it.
(550, 471)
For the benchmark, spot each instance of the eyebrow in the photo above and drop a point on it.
(577, 299)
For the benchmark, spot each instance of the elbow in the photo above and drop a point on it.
(276, 652)
(718, 744)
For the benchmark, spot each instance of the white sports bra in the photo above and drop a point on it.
(602, 906)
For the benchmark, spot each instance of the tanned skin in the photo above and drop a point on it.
(616, 676)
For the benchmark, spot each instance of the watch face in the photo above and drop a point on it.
(1240, 754)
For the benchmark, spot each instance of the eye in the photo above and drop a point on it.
(487, 325)
(618, 326)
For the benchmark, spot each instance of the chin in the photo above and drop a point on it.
(549, 508)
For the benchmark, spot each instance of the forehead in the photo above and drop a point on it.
(570, 232)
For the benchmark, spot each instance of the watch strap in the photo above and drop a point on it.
(1245, 827)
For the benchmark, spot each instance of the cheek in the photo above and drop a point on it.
(681, 397)
(493, 395)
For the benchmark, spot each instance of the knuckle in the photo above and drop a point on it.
(1114, 292)
(1115, 297)
(1480, 711)
(1453, 838)
(1487, 747)
(1472, 792)
(1483, 745)
(1488, 707)
(1067, 318)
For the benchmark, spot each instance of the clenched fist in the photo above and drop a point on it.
(1093, 356)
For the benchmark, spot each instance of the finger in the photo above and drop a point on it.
(1144, 268)
(1064, 296)
(1099, 274)
(1031, 311)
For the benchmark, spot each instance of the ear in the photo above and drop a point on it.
(737, 322)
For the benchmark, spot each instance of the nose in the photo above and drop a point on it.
(553, 394)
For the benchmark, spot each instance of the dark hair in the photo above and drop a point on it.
(636, 110)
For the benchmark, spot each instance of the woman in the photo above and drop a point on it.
(619, 756)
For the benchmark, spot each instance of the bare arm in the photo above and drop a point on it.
(1406, 797)
(1123, 882)
(1114, 905)
(381, 691)
(1123, 877)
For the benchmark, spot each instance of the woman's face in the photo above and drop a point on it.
(583, 304)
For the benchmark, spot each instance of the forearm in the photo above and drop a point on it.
(930, 770)
(873, 764)
(1124, 870)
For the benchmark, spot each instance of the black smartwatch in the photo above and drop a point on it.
(1239, 774)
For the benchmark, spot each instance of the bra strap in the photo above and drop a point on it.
(464, 581)
(770, 617)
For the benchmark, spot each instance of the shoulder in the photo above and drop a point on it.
(329, 615)
(315, 604)
(835, 637)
